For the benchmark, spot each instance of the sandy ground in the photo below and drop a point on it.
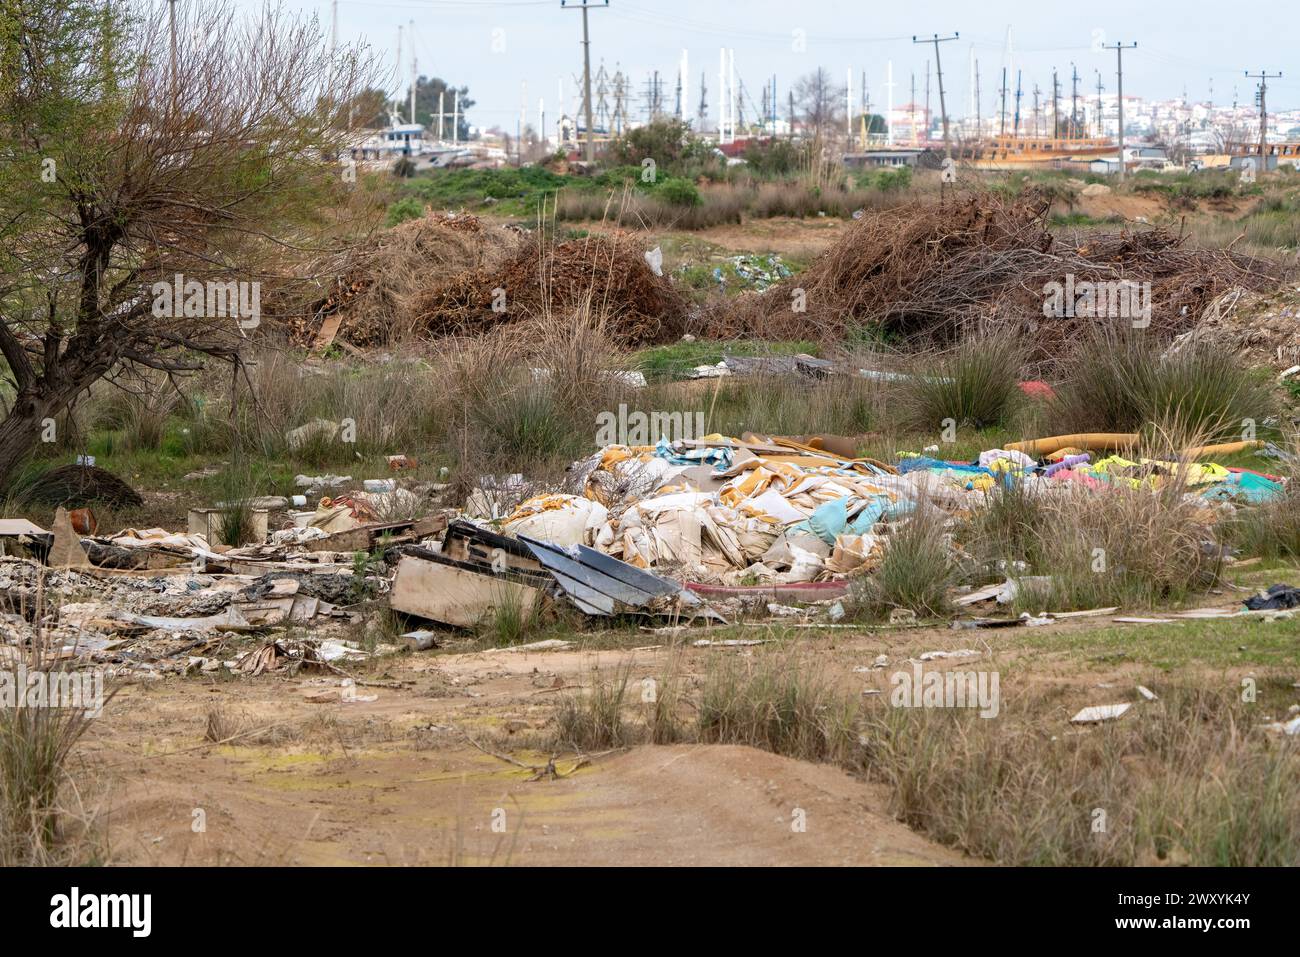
(397, 780)
(407, 778)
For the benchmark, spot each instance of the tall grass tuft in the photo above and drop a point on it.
(975, 385)
(778, 701)
(43, 820)
(1118, 380)
(916, 572)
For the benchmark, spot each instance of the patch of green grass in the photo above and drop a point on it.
(509, 191)
(1186, 643)
(665, 363)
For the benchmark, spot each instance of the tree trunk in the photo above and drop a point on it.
(19, 433)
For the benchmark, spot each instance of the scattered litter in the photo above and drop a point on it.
(550, 644)
(1278, 597)
(1089, 613)
(1147, 693)
(960, 653)
(1101, 712)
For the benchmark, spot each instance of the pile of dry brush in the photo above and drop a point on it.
(923, 271)
(444, 275)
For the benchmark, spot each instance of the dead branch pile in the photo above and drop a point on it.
(457, 276)
(377, 296)
(604, 273)
(922, 272)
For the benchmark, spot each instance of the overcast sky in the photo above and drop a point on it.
(1185, 45)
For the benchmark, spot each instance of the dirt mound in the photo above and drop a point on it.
(1264, 329)
(924, 270)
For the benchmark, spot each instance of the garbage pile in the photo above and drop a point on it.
(921, 270)
(772, 509)
(675, 533)
(750, 271)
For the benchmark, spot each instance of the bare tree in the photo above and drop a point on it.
(820, 101)
(141, 189)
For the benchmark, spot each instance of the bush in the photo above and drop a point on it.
(1118, 381)
(678, 192)
(976, 385)
(773, 158)
(916, 572)
(406, 208)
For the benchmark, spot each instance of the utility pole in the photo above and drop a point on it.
(703, 110)
(1056, 106)
(334, 27)
(979, 119)
(1263, 76)
(722, 95)
(586, 80)
(1074, 100)
(927, 102)
(414, 75)
(889, 103)
(1002, 122)
(911, 108)
(1036, 112)
(1101, 130)
(938, 68)
(1119, 49)
(1019, 94)
(848, 108)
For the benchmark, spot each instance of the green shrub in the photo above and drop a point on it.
(678, 192)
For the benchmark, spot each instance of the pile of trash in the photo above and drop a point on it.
(679, 532)
(772, 509)
(921, 270)
(1262, 329)
(750, 271)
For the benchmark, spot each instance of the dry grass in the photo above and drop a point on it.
(916, 572)
(779, 700)
(44, 815)
(1186, 780)
(974, 384)
(1133, 547)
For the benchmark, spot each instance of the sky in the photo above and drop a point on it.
(510, 52)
